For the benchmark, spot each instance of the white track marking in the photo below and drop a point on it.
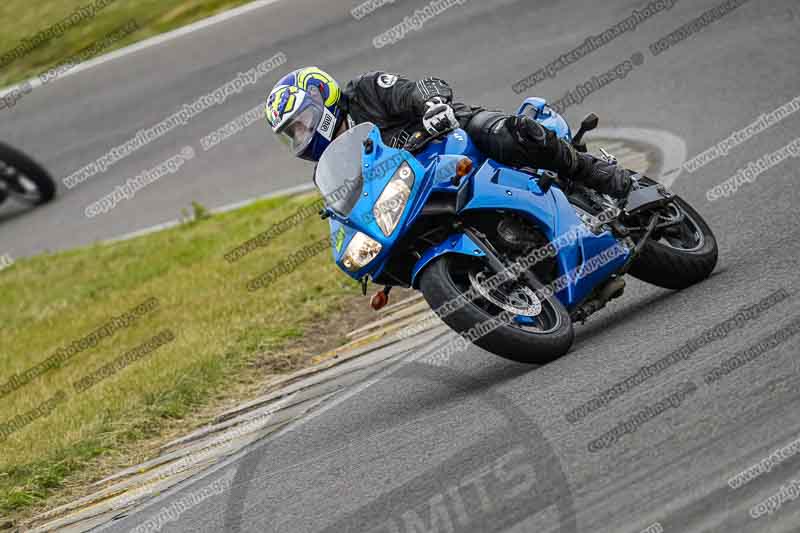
(673, 148)
(153, 41)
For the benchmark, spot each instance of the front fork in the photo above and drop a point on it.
(497, 265)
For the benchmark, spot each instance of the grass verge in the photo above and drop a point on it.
(23, 19)
(226, 339)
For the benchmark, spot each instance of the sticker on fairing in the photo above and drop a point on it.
(326, 125)
(339, 240)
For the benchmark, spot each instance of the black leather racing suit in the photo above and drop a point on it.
(396, 105)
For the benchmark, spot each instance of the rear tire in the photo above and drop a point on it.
(439, 285)
(674, 268)
(30, 169)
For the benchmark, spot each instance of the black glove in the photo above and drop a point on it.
(439, 117)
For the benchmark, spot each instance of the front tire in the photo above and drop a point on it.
(547, 337)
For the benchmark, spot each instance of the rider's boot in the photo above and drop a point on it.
(552, 153)
(602, 176)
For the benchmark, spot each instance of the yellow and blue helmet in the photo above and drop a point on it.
(303, 111)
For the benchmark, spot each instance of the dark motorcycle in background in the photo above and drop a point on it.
(23, 178)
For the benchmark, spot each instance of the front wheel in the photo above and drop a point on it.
(541, 330)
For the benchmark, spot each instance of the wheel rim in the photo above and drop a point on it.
(686, 235)
(533, 314)
(516, 298)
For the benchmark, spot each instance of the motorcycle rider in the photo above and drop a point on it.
(307, 110)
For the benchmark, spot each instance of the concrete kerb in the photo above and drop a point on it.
(159, 474)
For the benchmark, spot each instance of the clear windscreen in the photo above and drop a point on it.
(338, 176)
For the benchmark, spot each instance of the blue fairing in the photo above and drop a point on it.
(498, 187)
(490, 186)
(433, 168)
(378, 167)
(457, 243)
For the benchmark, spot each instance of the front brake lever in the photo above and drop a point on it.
(419, 139)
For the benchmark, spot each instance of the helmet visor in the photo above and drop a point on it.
(299, 130)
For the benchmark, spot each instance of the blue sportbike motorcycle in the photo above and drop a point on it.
(509, 257)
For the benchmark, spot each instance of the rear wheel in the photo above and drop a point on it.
(680, 254)
(25, 179)
(540, 331)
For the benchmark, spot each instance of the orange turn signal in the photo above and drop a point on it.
(463, 167)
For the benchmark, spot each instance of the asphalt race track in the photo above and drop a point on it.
(476, 443)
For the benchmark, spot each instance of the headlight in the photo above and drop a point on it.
(361, 250)
(392, 202)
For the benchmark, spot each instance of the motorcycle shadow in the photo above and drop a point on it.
(12, 209)
(647, 305)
